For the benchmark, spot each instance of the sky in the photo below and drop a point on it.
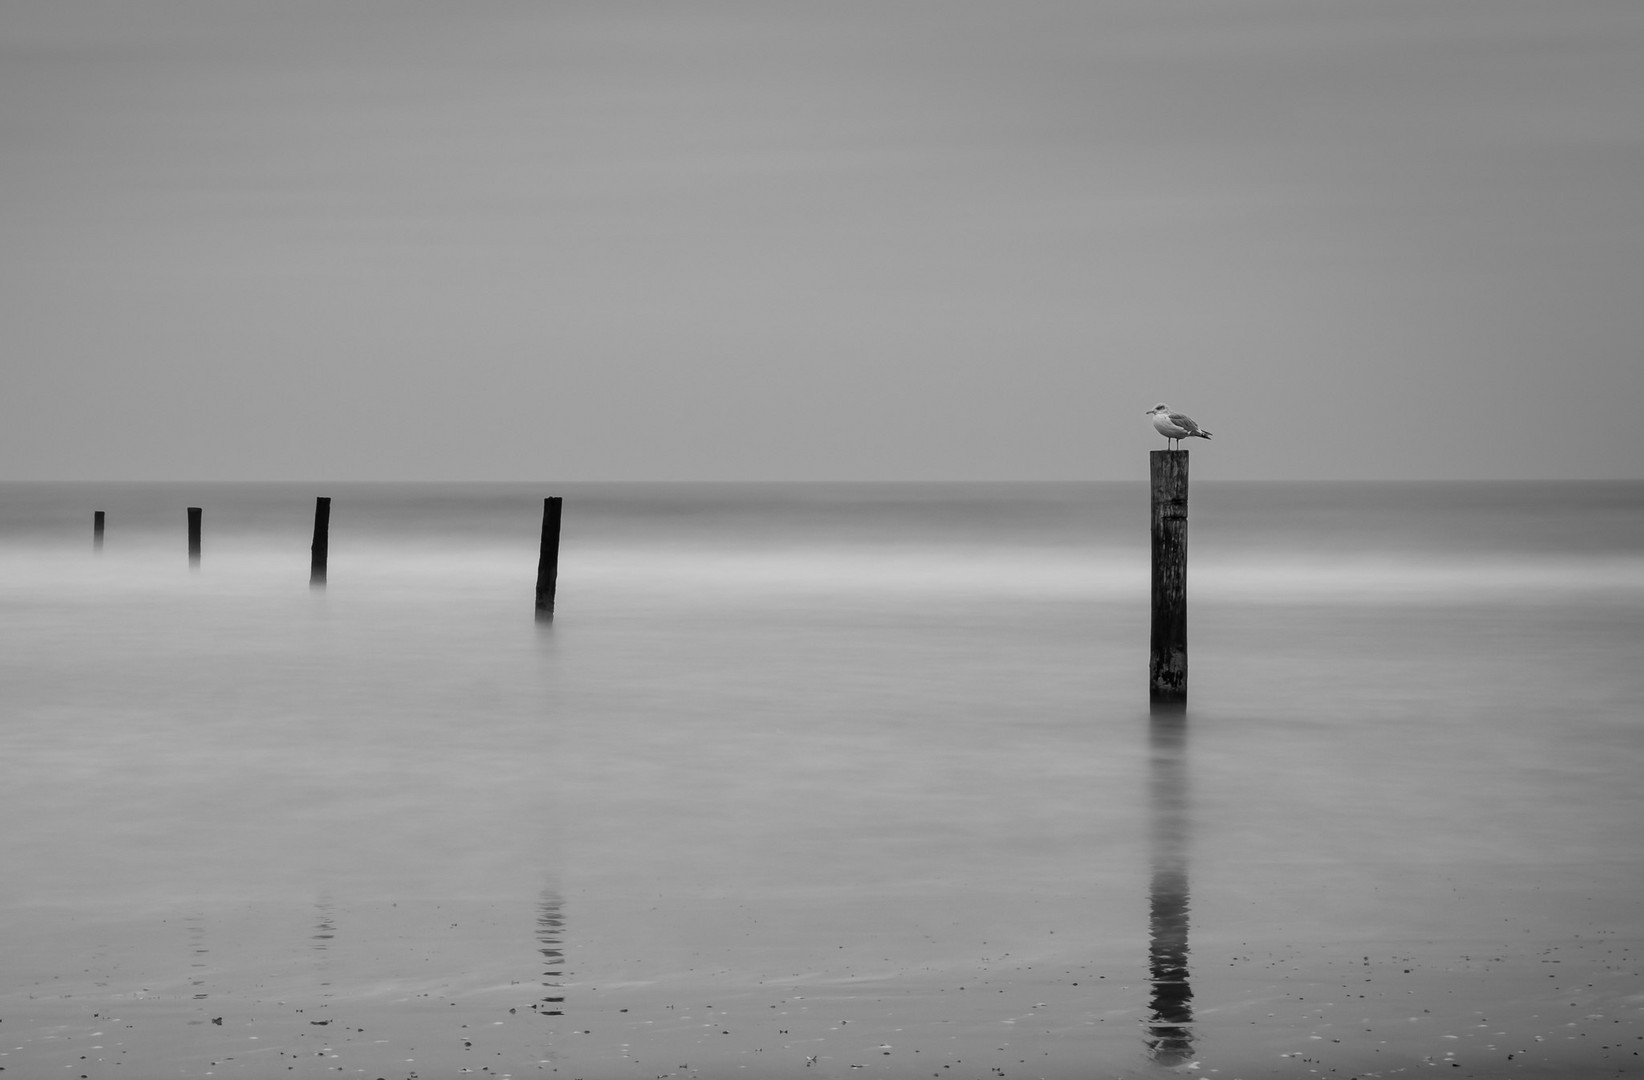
(842, 240)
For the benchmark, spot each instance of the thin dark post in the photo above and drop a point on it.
(1167, 668)
(322, 541)
(194, 536)
(97, 530)
(548, 561)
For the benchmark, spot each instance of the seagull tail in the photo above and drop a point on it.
(1199, 435)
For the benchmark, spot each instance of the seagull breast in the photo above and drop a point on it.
(1165, 424)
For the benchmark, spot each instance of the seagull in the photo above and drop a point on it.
(1174, 426)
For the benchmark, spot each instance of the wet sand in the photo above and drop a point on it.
(256, 991)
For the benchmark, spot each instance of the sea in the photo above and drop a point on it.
(820, 780)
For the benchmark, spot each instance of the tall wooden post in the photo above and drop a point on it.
(97, 530)
(322, 542)
(194, 536)
(1167, 666)
(548, 560)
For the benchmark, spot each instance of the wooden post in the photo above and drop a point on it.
(1167, 667)
(322, 542)
(97, 530)
(194, 536)
(548, 560)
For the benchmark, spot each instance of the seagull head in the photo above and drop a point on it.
(1161, 407)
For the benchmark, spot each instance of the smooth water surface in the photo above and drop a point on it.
(821, 780)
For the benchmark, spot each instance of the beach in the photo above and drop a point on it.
(821, 780)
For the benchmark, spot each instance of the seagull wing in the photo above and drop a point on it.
(1186, 423)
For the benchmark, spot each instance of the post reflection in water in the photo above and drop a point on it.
(325, 923)
(550, 944)
(1169, 1028)
(197, 948)
(325, 931)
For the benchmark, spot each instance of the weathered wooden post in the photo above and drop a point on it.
(1167, 667)
(322, 542)
(97, 530)
(548, 560)
(194, 536)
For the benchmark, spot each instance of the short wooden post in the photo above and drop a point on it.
(194, 536)
(97, 530)
(548, 560)
(1167, 667)
(322, 542)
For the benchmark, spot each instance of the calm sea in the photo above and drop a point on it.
(817, 779)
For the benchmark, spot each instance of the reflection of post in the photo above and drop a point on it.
(194, 536)
(325, 926)
(325, 931)
(197, 946)
(551, 942)
(1170, 1034)
(97, 530)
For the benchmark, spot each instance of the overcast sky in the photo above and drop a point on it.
(820, 240)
